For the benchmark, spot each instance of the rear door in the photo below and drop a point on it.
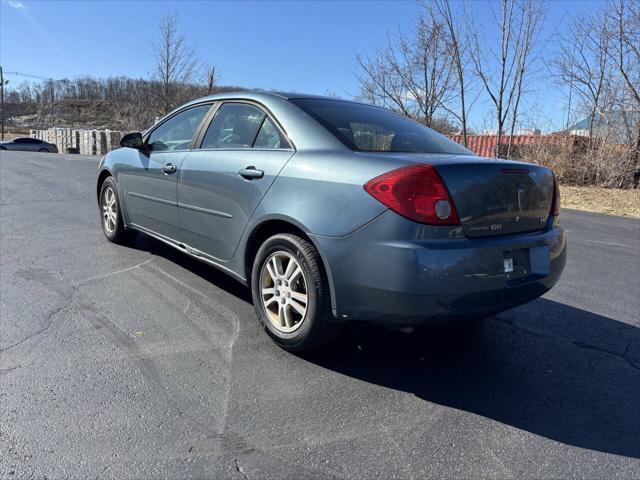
(26, 144)
(33, 144)
(151, 188)
(222, 182)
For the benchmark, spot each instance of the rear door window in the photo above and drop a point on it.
(234, 126)
(269, 137)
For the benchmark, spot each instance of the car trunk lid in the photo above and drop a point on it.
(496, 197)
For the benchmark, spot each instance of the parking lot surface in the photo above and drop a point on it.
(138, 362)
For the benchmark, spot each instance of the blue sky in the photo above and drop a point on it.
(306, 46)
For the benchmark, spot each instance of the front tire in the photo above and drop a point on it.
(111, 214)
(291, 293)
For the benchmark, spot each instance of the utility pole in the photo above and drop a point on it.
(53, 112)
(211, 75)
(2, 84)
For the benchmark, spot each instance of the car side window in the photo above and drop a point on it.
(176, 133)
(270, 137)
(234, 126)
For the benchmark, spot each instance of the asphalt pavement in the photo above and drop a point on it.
(138, 362)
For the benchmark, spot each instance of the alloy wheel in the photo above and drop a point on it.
(109, 210)
(283, 290)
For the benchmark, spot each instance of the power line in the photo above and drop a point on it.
(26, 75)
(3, 82)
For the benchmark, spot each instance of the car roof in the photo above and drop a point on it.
(302, 130)
(263, 95)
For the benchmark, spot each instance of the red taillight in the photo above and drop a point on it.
(416, 192)
(555, 205)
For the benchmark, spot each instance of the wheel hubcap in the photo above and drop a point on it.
(283, 289)
(109, 210)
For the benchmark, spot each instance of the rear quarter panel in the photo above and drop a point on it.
(323, 192)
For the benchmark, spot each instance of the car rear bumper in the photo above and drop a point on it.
(376, 274)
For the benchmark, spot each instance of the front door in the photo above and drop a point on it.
(151, 190)
(222, 182)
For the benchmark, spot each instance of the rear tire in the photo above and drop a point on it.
(111, 214)
(291, 293)
(46, 150)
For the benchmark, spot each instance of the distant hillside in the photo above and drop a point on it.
(66, 113)
(118, 103)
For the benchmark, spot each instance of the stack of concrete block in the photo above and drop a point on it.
(113, 139)
(58, 136)
(88, 142)
(68, 140)
(101, 142)
(76, 138)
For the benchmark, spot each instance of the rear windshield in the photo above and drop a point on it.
(374, 129)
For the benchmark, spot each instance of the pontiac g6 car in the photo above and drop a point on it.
(335, 211)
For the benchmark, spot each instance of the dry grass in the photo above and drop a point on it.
(575, 162)
(613, 201)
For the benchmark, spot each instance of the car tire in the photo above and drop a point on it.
(46, 150)
(278, 302)
(111, 214)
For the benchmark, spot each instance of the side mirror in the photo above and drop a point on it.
(132, 140)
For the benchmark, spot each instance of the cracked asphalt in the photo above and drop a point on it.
(138, 362)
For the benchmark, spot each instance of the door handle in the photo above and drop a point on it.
(169, 168)
(250, 173)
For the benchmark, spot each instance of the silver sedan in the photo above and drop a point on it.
(28, 144)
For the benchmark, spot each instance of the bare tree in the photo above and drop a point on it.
(584, 63)
(132, 109)
(599, 58)
(519, 22)
(176, 62)
(411, 74)
(624, 38)
(457, 48)
(211, 79)
(532, 14)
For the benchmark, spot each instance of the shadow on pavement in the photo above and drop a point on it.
(547, 368)
(211, 274)
(508, 368)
